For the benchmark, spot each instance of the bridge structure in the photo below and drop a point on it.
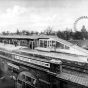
(41, 61)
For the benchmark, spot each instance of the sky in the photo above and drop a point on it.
(38, 15)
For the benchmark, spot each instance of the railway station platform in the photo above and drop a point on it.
(68, 75)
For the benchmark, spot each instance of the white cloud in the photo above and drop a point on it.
(39, 18)
(17, 10)
(11, 16)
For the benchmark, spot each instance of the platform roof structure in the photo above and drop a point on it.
(49, 37)
(42, 36)
(69, 44)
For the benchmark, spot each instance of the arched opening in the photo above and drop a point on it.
(26, 80)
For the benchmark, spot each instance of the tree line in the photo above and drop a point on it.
(66, 34)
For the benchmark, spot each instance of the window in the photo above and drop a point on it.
(31, 80)
(19, 81)
(41, 43)
(10, 68)
(66, 47)
(45, 44)
(23, 84)
(59, 45)
(53, 43)
(28, 79)
(50, 43)
(34, 81)
(23, 76)
(15, 70)
(24, 42)
(28, 86)
(80, 64)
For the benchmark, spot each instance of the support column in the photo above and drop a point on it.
(32, 44)
(47, 43)
(9, 41)
(39, 43)
(50, 44)
(19, 42)
(43, 43)
(3, 41)
(29, 44)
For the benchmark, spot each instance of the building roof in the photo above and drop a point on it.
(61, 41)
(75, 77)
(27, 36)
(70, 45)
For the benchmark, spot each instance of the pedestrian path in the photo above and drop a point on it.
(10, 47)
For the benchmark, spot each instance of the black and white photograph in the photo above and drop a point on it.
(43, 43)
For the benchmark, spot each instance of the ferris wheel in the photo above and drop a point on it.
(78, 20)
